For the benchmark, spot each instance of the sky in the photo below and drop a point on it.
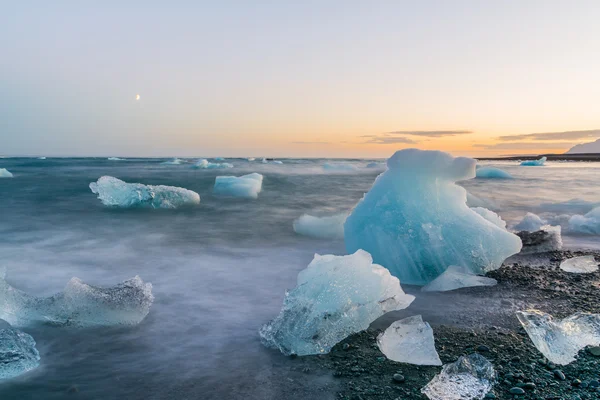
(298, 79)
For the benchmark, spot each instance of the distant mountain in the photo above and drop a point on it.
(593, 147)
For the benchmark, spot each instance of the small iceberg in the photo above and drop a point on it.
(41, 158)
(245, 186)
(205, 164)
(250, 159)
(588, 224)
(455, 278)
(335, 297)
(534, 163)
(339, 167)
(530, 223)
(470, 377)
(492, 173)
(580, 265)
(415, 220)
(277, 162)
(114, 192)
(17, 352)
(79, 304)
(331, 227)
(4, 173)
(219, 159)
(548, 238)
(560, 341)
(409, 340)
(115, 159)
(175, 161)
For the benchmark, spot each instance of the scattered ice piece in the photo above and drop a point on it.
(490, 216)
(277, 162)
(588, 224)
(205, 164)
(41, 158)
(115, 159)
(245, 186)
(17, 352)
(250, 159)
(415, 220)
(455, 278)
(79, 304)
(114, 192)
(264, 161)
(219, 159)
(4, 173)
(470, 377)
(339, 167)
(560, 340)
(492, 173)
(409, 340)
(534, 163)
(335, 297)
(175, 161)
(331, 227)
(548, 238)
(530, 223)
(580, 265)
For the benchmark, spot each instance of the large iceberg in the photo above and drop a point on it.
(470, 377)
(245, 186)
(335, 297)
(415, 220)
(79, 304)
(548, 238)
(456, 277)
(492, 173)
(588, 224)
(580, 265)
(530, 223)
(4, 173)
(561, 340)
(17, 352)
(331, 227)
(114, 192)
(409, 340)
(205, 164)
(534, 163)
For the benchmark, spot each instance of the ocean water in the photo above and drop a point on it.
(219, 270)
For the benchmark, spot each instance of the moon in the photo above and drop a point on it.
(137, 96)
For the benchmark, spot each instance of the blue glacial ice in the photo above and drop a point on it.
(205, 164)
(415, 220)
(335, 297)
(409, 340)
(79, 304)
(219, 159)
(329, 227)
(175, 161)
(115, 159)
(456, 277)
(534, 163)
(580, 265)
(245, 186)
(492, 173)
(17, 352)
(4, 173)
(588, 224)
(490, 216)
(339, 167)
(474, 201)
(114, 192)
(470, 377)
(560, 340)
(530, 223)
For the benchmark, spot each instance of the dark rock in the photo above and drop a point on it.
(516, 390)
(558, 374)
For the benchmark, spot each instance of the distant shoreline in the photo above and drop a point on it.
(550, 157)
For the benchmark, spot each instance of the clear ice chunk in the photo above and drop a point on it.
(530, 223)
(470, 377)
(4, 173)
(205, 164)
(409, 340)
(415, 220)
(534, 163)
(455, 278)
(330, 227)
(560, 340)
(114, 192)
(79, 304)
(245, 186)
(335, 297)
(580, 265)
(17, 352)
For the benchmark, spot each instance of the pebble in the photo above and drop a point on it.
(516, 390)
(483, 348)
(490, 395)
(399, 378)
(559, 375)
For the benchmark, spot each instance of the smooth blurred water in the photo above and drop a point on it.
(219, 270)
